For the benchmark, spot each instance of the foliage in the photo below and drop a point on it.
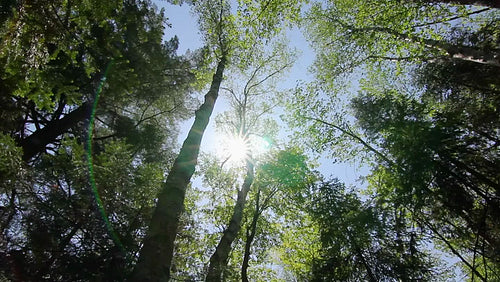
(424, 119)
(76, 199)
(10, 158)
(62, 225)
(348, 35)
(363, 242)
(60, 220)
(445, 158)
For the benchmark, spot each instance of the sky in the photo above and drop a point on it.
(184, 26)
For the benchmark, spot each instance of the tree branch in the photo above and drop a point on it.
(355, 137)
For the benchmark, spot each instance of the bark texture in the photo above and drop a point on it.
(156, 254)
(218, 260)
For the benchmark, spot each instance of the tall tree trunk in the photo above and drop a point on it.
(38, 140)
(250, 236)
(218, 260)
(156, 254)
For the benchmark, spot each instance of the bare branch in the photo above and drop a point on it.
(157, 114)
(231, 91)
(269, 76)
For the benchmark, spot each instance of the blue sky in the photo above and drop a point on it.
(184, 25)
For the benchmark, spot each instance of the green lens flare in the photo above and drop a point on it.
(90, 162)
(267, 143)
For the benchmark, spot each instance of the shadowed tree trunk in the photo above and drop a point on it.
(156, 254)
(250, 236)
(218, 260)
(38, 140)
(369, 271)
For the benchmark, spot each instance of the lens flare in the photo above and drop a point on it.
(90, 162)
(235, 150)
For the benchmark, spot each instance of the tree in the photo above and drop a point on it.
(300, 246)
(59, 229)
(443, 152)
(362, 241)
(156, 254)
(247, 123)
(223, 38)
(355, 238)
(281, 178)
(429, 137)
(109, 59)
(53, 89)
(348, 36)
(284, 177)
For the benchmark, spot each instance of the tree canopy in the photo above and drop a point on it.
(94, 185)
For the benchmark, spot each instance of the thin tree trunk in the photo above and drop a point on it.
(156, 254)
(218, 260)
(453, 250)
(359, 253)
(250, 236)
(369, 271)
(38, 140)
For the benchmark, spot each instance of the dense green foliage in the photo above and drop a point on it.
(425, 119)
(93, 93)
(363, 241)
(63, 219)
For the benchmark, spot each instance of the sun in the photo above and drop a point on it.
(237, 148)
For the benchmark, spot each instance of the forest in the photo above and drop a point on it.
(100, 179)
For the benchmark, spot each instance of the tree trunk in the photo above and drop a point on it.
(369, 271)
(38, 140)
(460, 52)
(486, 3)
(156, 254)
(218, 261)
(452, 249)
(250, 236)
